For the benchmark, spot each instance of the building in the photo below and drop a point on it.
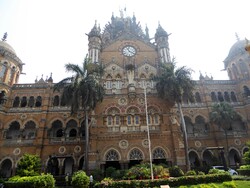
(34, 120)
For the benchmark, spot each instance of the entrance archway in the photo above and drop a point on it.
(234, 158)
(194, 159)
(5, 169)
(112, 159)
(68, 165)
(53, 166)
(135, 157)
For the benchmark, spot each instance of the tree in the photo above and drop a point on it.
(246, 155)
(223, 114)
(29, 165)
(82, 91)
(171, 84)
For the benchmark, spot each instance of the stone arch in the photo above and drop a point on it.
(135, 156)
(31, 101)
(208, 158)
(16, 102)
(24, 102)
(189, 125)
(29, 130)
(81, 162)
(6, 166)
(200, 125)
(38, 101)
(56, 100)
(112, 158)
(234, 157)
(68, 165)
(244, 150)
(13, 131)
(194, 159)
(56, 129)
(71, 129)
(159, 156)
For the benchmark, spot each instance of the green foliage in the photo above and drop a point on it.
(244, 167)
(172, 182)
(200, 173)
(216, 171)
(80, 180)
(44, 180)
(98, 175)
(229, 184)
(29, 165)
(246, 155)
(109, 171)
(175, 171)
(191, 173)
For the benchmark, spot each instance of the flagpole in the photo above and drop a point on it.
(149, 141)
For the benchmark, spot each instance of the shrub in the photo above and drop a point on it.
(44, 180)
(191, 173)
(200, 173)
(109, 171)
(229, 184)
(175, 171)
(29, 165)
(80, 180)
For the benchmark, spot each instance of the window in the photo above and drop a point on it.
(129, 121)
(135, 154)
(197, 97)
(159, 154)
(56, 101)
(24, 102)
(213, 97)
(16, 102)
(31, 101)
(39, 101)
(112, 155)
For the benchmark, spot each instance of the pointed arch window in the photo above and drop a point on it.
(16, 102)
(226, 96)
(56, 101)
(135, 154)
(38, 101)
(159, 154)
(220, 97)
(31, 102)
(112, 155)
(24, 102)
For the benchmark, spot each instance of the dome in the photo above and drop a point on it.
(237, 49)
(4, 45)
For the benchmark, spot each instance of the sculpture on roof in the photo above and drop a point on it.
(5, 36)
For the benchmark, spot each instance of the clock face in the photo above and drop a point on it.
(129, 51)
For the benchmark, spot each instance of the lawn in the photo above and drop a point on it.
(238, 183)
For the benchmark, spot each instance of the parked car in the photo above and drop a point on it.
(230, 170)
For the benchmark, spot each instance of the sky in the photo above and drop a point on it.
(47, 34)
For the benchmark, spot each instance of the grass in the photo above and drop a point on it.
(238, 183)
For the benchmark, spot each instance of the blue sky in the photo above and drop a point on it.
(47, 34)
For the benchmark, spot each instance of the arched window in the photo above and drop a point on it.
(246, 91)
(129, 119)
(39, 101)
(24, 102)
(226, 96)
(29, 131)
(220, 97)
(213, 97)
(135, 154)
(197, 97)
(13, 131)
(113, 117)
(31, 101)
(72, 133)
(56, 101)
(200, 125)
(3, 71)
(189, 125)
(112, 155)
(159, 154)
(233, 97)
(56, 129)
(16, 102)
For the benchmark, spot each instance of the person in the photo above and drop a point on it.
(67, 179)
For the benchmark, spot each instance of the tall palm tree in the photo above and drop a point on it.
(82, 91)
(223, 114)
(171, 84)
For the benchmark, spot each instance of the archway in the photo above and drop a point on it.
(53, 166)
(135, 157)
(194, 159)
(159, 157)
(234, 158)
(112, 159)
(81, 163)
(5, 169)
(209, 159)
(68, 165)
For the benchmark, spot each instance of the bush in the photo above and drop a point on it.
(44, 180)
(200, 173)
(80, 180)
(29, 165)
(191, 173)
(175, 171)
(229, 184)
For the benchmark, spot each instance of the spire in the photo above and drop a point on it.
(160, 32)
(237, 37)
(95, 31)
(50, 78)
(5, 36)
(146, 30)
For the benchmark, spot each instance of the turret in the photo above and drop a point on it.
(94, 43)
(161, 39)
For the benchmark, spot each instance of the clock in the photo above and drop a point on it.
(129, 51)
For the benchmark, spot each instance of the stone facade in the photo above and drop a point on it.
(34, 120)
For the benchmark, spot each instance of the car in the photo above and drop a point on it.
(230, 170)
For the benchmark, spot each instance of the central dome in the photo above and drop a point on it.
(237, 49)
(4, 45)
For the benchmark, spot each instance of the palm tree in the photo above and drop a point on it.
(171, 84)
(83, 91)
(223, 114)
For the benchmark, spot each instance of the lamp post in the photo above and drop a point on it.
(149, 141)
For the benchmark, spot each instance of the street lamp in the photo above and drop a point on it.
(149, 141)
